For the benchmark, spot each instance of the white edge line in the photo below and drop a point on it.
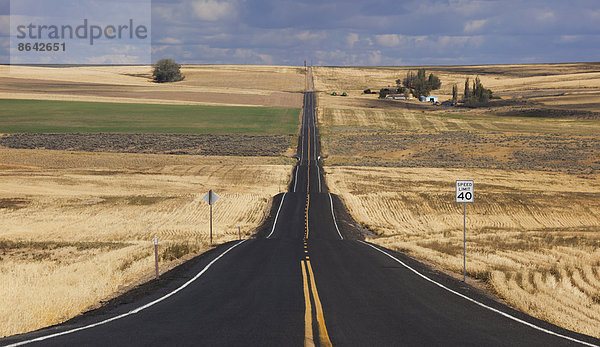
(296, 179)
(314, 139)
(277, 215)
(333, 215)
(303, 130)
(302, 148)
(314, 132)
(42, 338)
(479, 303)
(319, 176)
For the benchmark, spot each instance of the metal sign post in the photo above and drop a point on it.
(210, 199)
(465, 191)
(464, 241)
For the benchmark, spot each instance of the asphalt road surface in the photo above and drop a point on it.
(306, 281)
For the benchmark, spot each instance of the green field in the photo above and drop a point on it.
(33, 116)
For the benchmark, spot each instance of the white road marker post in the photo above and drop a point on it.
(465, 191)
(156, 256)
(210, 199)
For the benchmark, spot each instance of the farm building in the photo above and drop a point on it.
(395, 97)
(433, 99)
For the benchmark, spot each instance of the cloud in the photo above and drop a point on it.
(4, 25)
(569, 38)
(170, 13)
(253, 57)
(594, 14)
(212, 10)
(388, 40)
(352, 39)
(307, 35)
(340, 57)
(475, 25)
(545, 16)
(170, 41)
(218, 37)
(114, 59)
(444, 42)
(352, 32)
(374, 58)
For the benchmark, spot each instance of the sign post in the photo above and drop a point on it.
(465, 191)
(156, 256)
(210, 199)
(239, 232)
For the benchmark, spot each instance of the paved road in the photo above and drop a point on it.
(308, 281)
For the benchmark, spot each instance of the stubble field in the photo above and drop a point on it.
(97, 161)
(532, 233)
(77, 228)
(221, 85)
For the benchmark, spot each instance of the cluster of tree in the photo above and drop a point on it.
(420, 84)
(476, 93)
(383, 92)
(167, 70)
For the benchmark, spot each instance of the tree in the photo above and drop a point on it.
(479, 94)
(383, 92)
(167, 70)
(419, 84)
(454, 93)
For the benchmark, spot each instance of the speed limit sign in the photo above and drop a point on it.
(465, 191)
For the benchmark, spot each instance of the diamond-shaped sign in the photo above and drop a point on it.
(211, 197)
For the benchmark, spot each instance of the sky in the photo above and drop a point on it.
(374, 32)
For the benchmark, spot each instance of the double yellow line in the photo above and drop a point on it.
(309, 277)
(309, 339)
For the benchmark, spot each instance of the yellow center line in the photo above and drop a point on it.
(308, 184)
(307, 206)
(323, 335)
(305, 264)
(308, 331)
(308, 177)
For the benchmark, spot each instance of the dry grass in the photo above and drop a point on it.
(204, 85)
(533, 229)
(76, 228)
(565, 84)
(402, 119)
(405, 138)
(535, 242)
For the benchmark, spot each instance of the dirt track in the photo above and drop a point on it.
(237, 145)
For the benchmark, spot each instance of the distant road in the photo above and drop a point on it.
(308, 281)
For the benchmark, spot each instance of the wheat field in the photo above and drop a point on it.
(530, 240)
(77, 228)
(273, 86)
(572, 85)
(533, 232)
